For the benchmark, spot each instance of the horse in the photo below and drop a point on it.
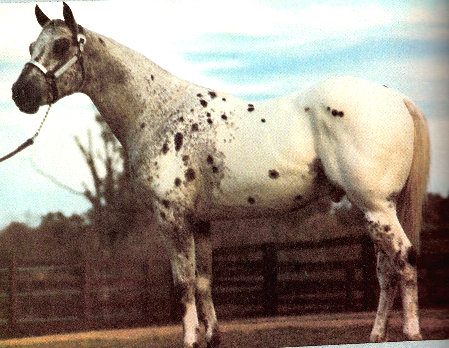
(199, 155)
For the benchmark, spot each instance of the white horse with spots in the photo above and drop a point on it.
(199, 155)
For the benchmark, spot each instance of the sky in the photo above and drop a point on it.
(255, 49)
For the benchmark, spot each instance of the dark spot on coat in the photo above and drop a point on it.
(328, 108)
(150, 178)
(251, 200)
(208, 114)
(101, 41)
(185, 158)
(210, 159)
(166, 203)
(387, 228)
(209, 121)
(250, 107)
(181, 119)
(177, 182)
(165, 148)
(178, 141)
(203, 102)
(385, 86)
(224, 99)
(190, 175)
(224, 117)
(214, 169)
(306, 109)
(163, 216)
(152, 77)
(142, 125)
(195, 127)
(263, 120)
(298, 198)
(212, 94)
(337, 194)
(273, 174)
(412, 256)
(199, 95)
(337, 113)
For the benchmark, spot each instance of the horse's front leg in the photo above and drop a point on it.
(203, 250)
(178, 238)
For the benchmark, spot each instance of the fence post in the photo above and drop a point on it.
(349, 288)
(13, 294)
(86, 293)
(369, 285)
(270, 277)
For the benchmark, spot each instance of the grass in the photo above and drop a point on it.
(268, 333)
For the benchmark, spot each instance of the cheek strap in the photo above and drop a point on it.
(52, 75)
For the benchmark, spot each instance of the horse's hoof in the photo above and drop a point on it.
(215, 340)
(378, 338)
(195, 345)
(414, 337)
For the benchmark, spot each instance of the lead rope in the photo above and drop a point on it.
(29, 141)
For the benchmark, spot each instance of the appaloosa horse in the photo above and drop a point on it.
(198, 155)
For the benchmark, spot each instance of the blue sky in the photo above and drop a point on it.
(252, 48)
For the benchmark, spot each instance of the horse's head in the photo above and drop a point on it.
(56, 66)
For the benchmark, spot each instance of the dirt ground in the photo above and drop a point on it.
(292, 331)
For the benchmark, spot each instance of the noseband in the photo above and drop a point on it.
(52, 75)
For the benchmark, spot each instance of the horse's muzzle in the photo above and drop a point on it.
(29, 92)
(23, 98)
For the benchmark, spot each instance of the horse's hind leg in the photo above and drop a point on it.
(388, 288)
(203, 250)
(388, 235)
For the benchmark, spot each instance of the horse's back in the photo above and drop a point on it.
(364, 136)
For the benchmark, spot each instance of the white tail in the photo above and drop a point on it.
(411, 199)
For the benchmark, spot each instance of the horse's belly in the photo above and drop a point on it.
(268, 166)
(237, 198)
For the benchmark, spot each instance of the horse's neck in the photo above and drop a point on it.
(126, 87)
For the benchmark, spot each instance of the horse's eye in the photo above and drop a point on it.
(31, 47)
(61, 46)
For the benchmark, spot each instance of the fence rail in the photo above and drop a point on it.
(249, 281)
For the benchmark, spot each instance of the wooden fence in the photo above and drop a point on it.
(257, 280)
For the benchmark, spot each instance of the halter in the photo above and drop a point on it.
(52, 75)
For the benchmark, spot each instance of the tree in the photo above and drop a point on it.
(436, 212)
(115, 208)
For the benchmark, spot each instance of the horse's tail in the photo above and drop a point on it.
(411, 199)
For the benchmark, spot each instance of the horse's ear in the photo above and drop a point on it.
(41, 17)
(70, 19)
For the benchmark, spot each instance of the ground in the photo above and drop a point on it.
(295, 331)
